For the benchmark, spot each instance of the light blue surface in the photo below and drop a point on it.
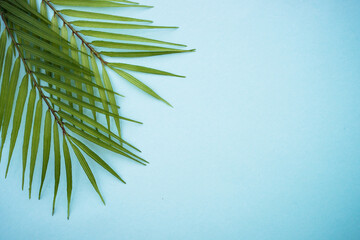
(263, 142)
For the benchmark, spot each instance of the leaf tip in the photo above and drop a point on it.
(167, 103)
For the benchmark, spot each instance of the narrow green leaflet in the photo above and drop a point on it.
(86, 169)
(9, 102)
(94, 24)
(124, 37)
(139, 84)
(68, 169)
(43, 9)
(130, 46)
(112, 99)
(33, 4)
(85, 3)
(27, 131)
(3, 41)
(141, 54)
(75, 56)
(5, 81)
(64, 34)
(35, 142)
(19, 108)
(136, 68)
(55, 27)
(100, 83)
(122, 1)
(57, 165)
(46, 148)
(85, 62)
(102, 16)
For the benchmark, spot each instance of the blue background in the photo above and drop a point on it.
(263, 142)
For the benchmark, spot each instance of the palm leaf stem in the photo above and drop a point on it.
(30, 73)
(87, 44)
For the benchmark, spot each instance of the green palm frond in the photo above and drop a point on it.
(66, 88)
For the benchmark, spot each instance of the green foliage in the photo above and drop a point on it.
(64, 79)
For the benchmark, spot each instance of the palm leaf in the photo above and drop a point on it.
(64, 79)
